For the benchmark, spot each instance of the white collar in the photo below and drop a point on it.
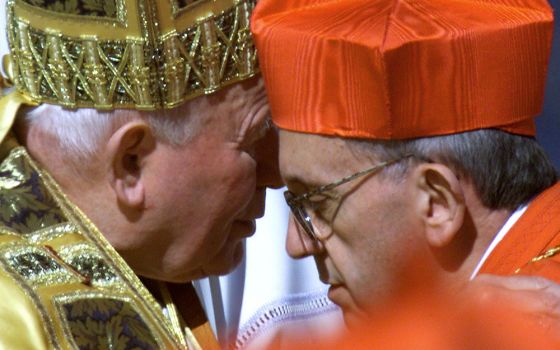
(500, 236)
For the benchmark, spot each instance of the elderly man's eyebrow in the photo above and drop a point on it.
(296, 184)
(294, 181)
(291, 179)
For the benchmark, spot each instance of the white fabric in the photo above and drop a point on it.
(500, 236)
(270, 295)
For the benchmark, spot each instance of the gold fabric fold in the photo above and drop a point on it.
(21, 326)
(9, 106)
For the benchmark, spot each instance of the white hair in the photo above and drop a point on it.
(81, 132)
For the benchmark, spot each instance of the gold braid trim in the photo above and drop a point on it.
(144, 71)
(546, 255)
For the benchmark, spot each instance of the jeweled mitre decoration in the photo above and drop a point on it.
(143, 54)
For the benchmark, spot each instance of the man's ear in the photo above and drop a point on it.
(441, 203)
(128, 149)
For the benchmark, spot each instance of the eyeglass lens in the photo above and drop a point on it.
(301, 216)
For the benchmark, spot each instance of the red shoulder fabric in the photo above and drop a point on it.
(529, 246)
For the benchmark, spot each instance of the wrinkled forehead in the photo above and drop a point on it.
(241, 100)
(315, 159)
(238, 113)
(244, 92)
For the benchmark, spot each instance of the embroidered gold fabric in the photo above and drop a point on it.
(67, 287)
(103, 320)
(143, 54)
(95, 8)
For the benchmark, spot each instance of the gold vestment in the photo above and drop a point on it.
(62, 286)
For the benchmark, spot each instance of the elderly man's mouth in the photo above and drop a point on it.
(244, 228)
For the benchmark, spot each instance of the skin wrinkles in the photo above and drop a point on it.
(177, 212)
(254, 112)
(429, 214)
(363, 231)
(254, 126)
(250, 131)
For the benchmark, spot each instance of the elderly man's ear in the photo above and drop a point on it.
(128, 149)
(440, 203)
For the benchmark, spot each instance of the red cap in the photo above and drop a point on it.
(395, 69)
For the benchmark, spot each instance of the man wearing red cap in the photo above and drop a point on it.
(406, 129)
(139, 170)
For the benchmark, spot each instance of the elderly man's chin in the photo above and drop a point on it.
(227, 258)
(231, 253)
(353, 316)
(226, 261)
(233, 250)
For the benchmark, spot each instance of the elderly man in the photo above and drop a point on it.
(406, 129)
(140, 169)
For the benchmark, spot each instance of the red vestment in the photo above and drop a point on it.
(532, 245)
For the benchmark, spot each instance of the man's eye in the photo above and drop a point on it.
(263, 129)
(319, 211)
(321, 197)
(250, 150)
(313, 206)
(317, 202)
(255, 136)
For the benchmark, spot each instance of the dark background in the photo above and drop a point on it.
(548, 124)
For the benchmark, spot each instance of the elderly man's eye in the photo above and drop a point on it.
(254, 136)
(260, 131)
(321, 197)
(318, 201)
(264, 128)
(315, 206)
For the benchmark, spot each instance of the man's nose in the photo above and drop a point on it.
(298, 243)
(266, 155)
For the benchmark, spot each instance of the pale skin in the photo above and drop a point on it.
(376, 225)
(176, 213)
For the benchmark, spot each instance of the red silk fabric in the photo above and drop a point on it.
(535, 233)
(389, 69)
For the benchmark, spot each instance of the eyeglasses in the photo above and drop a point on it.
(298, 204)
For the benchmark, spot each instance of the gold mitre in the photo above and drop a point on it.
(142, 54)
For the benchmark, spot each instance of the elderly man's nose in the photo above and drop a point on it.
(298, 243)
